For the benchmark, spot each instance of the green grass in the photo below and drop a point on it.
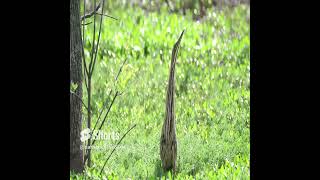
(212, 93)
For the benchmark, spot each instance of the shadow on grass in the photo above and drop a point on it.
(159, 173)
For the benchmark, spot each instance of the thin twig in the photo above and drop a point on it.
(85, 16)
(105, 103)
(116, 147)
(79, 99)
(85, 69)
(89, 119)
(89, 82)
(86, 156)
(91, 13)
(93, 41)
(86, 24)
(90, 76)
(91, 67)
(107, 16)
(103, 107)
(121, 93)
(88, 71)
(104, 15)
(120, 70)
(97, 47)
(82, 43)
(85, 76)
(84, 11)
(105, 116)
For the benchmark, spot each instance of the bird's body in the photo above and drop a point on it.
(168, 140)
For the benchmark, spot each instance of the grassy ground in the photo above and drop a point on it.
(212, 93)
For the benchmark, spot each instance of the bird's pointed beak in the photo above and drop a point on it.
(178, 42)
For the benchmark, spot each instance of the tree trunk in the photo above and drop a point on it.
(76, 154)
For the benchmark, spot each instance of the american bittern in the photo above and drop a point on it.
(168, 141)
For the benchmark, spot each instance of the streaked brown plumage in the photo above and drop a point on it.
(168, 140)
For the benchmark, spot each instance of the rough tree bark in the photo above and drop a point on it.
(76, 154)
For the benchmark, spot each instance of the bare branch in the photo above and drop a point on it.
(85, 76)
(88, 71)
(84, 11)
(86, 24)
(93, 41)
(120, 69)
(85, 16)
(87, 154)
(97, 47)
(91, 13)
(84, 60)
(82, 44)
(105, 103)
(94, 53)
(105, 116)
(115, 148)
(103, 15)
(121, 93)
(89, 76)
(85, 69)
(79, 99)
(103, 107)
(107, 16)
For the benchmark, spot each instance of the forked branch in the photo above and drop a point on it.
(88, 15)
